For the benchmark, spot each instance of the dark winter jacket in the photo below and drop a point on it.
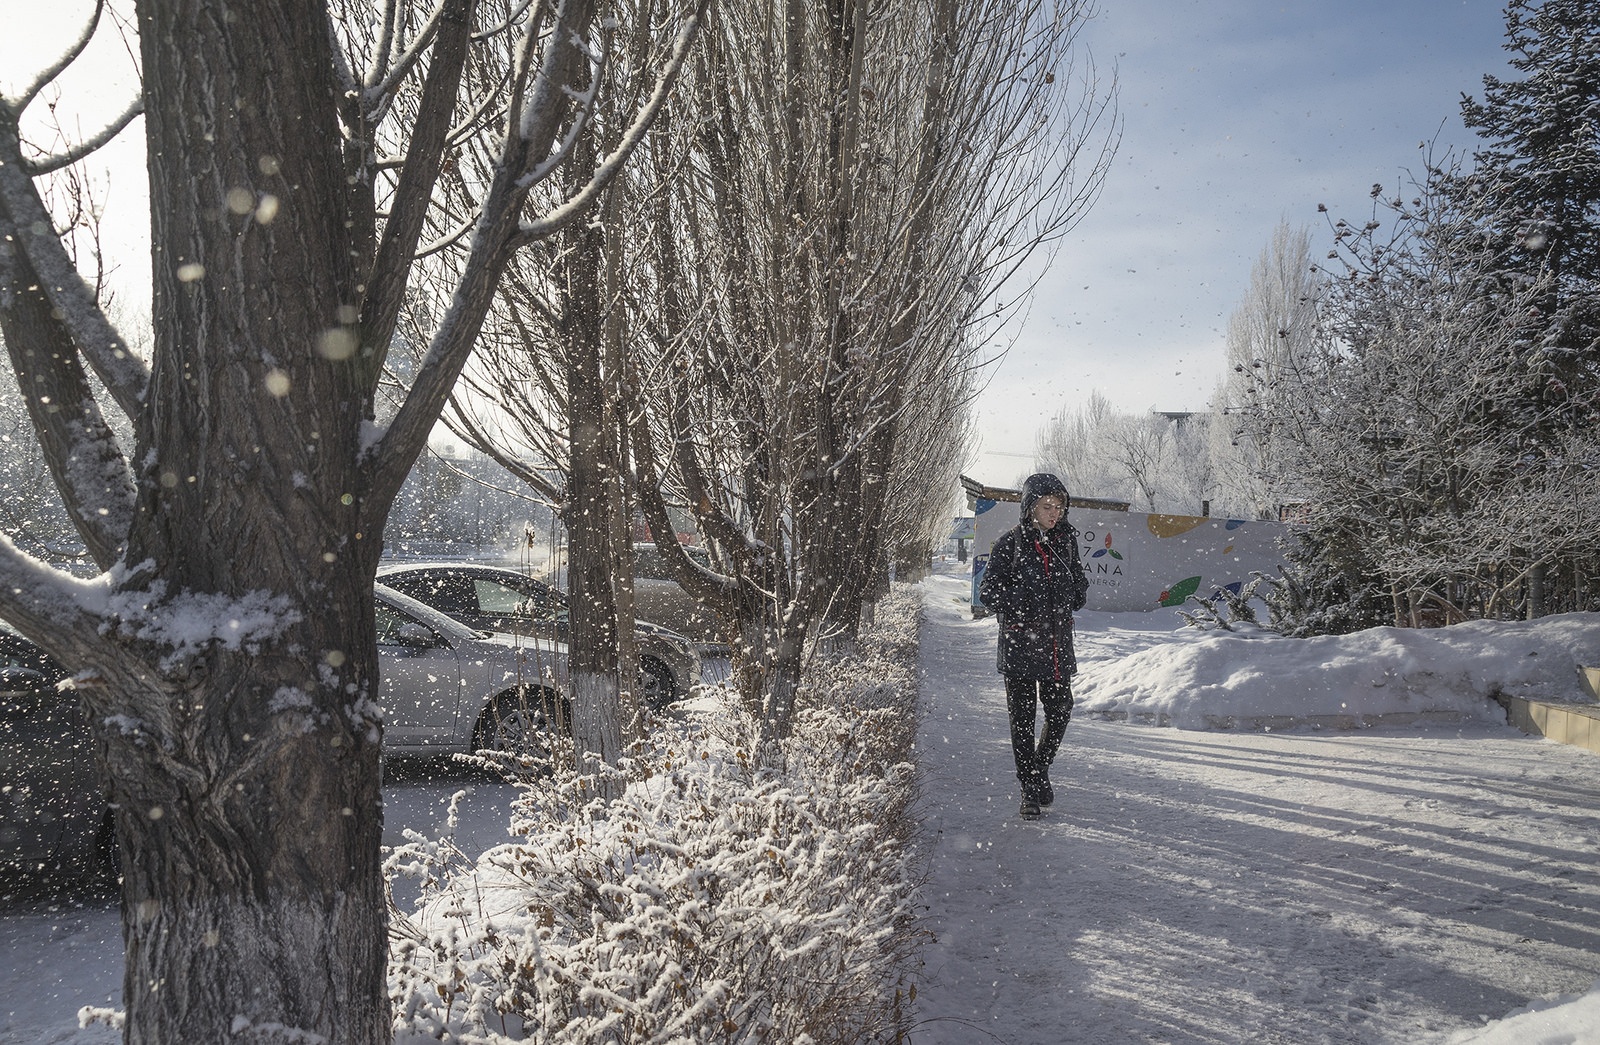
(1033, 582)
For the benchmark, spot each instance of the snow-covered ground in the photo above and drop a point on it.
(1315, 885)
(1395, 884)
(61, 955)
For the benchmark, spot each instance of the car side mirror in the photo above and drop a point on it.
(416, 636)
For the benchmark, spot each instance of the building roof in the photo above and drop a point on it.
(976, 491)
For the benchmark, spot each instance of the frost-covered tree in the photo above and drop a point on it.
(1539, 169)
(1268, 333)
(1424, 461)
(1538, 177)
(1068, 445)
(1447, 449)
(1191, 475)
(226, 652)
(857, 183)
(1158, 461)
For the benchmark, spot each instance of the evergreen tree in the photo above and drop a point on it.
(1540, 170)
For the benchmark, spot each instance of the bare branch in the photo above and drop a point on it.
(607, 171)
(26, 222)
(390, 457)
(51, 164)
(392, 264)
(79, 447)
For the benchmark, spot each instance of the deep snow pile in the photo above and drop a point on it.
(1397, 676)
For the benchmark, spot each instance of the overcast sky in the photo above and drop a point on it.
(1237, 114)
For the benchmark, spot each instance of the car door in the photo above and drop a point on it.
(52, 801)
(661, 600)
(419, 681)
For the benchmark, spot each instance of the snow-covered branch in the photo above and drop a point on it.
(54, 69)
(77, 151)
(27, 225)
(59, 611)
(607, 171)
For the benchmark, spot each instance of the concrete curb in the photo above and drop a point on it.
(1284, 723)
(1575, 724)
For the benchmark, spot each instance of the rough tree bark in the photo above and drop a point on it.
(594, 508)
(247, 775)
(226, 654)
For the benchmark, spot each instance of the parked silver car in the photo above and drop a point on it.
(498, 599)
(446, 687)
(656, 596)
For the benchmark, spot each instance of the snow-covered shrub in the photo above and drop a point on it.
(718, 899)
(1328, 588)
(1228, 610)
(1289, 607)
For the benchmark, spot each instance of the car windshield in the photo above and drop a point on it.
(444, 625)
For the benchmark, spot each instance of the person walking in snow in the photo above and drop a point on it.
(1033, 582)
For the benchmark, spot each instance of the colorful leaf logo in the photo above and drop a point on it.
(1107, 550)
(1177, 593)
(1173, 525)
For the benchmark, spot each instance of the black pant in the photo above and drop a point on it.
(1023, 697)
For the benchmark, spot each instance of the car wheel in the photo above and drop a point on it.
(656, 688)
(523, 722)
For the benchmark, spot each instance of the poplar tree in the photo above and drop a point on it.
(226, 652)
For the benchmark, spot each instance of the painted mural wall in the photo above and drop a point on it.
(1136, 561)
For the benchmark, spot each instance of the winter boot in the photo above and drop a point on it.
(1029, 810)
(1046, 793)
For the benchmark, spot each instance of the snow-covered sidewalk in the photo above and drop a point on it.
(1399, 886)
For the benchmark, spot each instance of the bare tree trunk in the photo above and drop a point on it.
(594, 502)
(768, 661)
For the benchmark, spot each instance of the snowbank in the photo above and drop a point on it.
(1383, 676)
(1567, 1020)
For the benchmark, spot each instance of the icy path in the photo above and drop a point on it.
(1217, 887)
